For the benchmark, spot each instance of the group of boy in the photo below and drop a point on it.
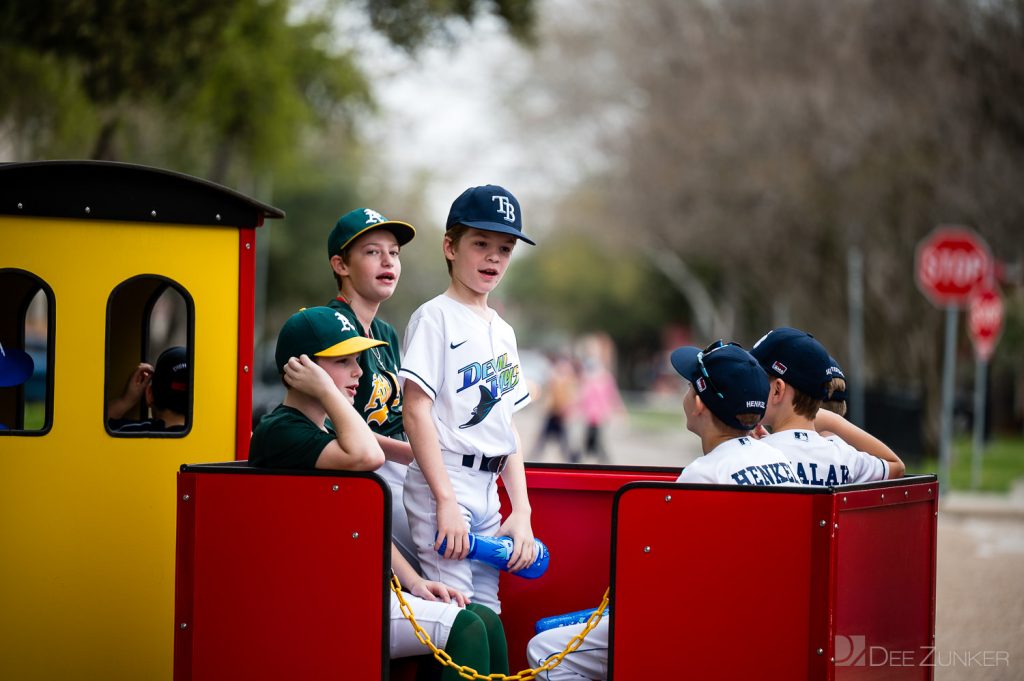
(436, 421)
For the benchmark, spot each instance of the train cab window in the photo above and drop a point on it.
(26, 353)
(149, 364)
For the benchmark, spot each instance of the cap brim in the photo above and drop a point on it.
(403, 231)
(684, 361)
(15, 367)
(350, 347)
(498, 227)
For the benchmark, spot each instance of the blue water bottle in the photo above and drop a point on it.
(497, 550)
(575, 617)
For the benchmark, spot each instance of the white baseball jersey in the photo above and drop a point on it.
(826, 461)
(741, 461)
(471, 369)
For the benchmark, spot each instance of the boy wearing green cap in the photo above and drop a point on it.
(364, 250)
(317, 427)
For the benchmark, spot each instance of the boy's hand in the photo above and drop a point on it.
(308, 377)
(451, 527)
(436, 591)
(759, 432)
(524, 552)
(140, 378)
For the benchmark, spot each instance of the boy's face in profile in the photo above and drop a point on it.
(480, 258)
(374, 265)
(690, 407)
(344, 371)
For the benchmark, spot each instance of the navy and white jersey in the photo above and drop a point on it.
(741, 461)
(470, 367)
(826, 461)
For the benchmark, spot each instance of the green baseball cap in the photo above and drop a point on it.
(319, 332)
(352, 224)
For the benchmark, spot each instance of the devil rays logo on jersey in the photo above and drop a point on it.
(480, 411)
(500, 376)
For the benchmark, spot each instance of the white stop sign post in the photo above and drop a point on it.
(950, 264)
(985, 324)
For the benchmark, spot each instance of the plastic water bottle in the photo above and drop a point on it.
(497, 550)
(575, 617)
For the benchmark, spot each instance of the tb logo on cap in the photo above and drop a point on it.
(505, 207)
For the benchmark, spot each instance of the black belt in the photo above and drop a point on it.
(488, 464)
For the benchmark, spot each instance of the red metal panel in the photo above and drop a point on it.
(246, 324)
(572, 511)
(717, 582)
(287, 576)
(885, 605)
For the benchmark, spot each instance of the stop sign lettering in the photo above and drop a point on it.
(951, 263)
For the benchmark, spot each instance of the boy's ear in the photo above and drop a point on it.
(698, 404)
(339, 266)
(778, 390)
(448, 247)
(149, 394)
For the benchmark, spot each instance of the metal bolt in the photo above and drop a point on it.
(883, 497)
(836, 526)
(183, 625)
(152, 213)
(334, 488)
(668, 498)
(88, 210)
(647, 549)
(20, 206)
(217, 216)
(822, 523)
(930, 490)
(248, 245)
(844, 500)
(185, 497)
(906, 494)
(245, 368)
(355, 535)
(821, 651)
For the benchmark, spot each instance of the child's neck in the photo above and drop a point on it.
(475, 301)
(791, 421)
(366, 310)
(310, 407)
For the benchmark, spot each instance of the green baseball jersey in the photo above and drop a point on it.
(379, 398)
(285, 438)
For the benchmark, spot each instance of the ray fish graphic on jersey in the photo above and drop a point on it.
(480, 411)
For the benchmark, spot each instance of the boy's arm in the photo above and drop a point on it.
(859, 439)
(133, 392)
(417, 586)
(354, 447)
(419, 426)
(395, 450)
(517, 525)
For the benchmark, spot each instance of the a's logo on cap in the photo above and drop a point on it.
(505, 207)
(346, 325)
(778, 367)
(701, 385)
(373, 217)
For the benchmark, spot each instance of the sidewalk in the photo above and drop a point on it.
(988, 504)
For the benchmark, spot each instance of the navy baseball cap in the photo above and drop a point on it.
(727, 378)
(171, 378)
(356, 222)
(15, 366)
(797, 358)
(836, 371)
(490, 208)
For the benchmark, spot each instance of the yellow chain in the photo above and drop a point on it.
(470, 673)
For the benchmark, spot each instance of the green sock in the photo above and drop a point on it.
(467, 645)
(495, 637)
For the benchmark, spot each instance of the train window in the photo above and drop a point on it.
(149, 364)
(26, 353)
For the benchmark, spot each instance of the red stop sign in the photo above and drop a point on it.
(985, 320)
(950, 263)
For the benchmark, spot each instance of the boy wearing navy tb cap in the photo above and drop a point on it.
(462, 384)
(725, 399)
(802, 377)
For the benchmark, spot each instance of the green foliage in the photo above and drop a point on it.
(1002, 463)
(580, 284)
